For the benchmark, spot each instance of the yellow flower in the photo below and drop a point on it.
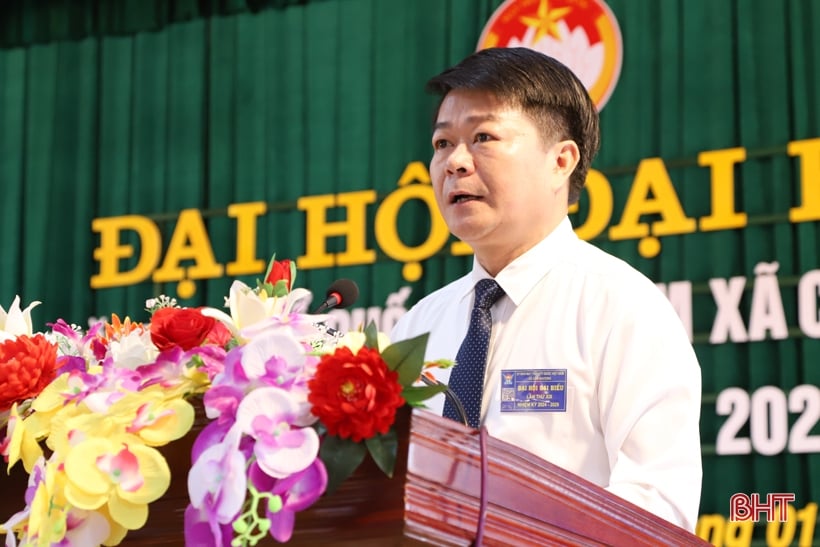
(22, 445)
(354, 340)
(47, 520)
(48, 404)
(117, 531)
(69, 429)
(127, 478)
(158, 421)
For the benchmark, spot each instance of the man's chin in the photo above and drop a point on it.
(473, 235)
(468, 236)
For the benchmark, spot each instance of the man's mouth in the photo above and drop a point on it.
(463, 197)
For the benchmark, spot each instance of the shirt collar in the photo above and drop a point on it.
(520, 276)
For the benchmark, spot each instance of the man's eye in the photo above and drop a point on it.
(482, 137)
(440, 143)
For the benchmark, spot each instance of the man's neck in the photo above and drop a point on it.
(495, 258)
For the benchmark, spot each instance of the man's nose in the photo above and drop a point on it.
(460, 161)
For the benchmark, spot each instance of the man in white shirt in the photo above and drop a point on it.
(616, 396)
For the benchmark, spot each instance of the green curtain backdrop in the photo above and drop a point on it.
(313, 99)
(115, 108)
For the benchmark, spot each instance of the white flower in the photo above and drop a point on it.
(133, 349)
(16, 322)
(248, 307)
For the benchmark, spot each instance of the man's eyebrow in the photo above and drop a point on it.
(478, 118)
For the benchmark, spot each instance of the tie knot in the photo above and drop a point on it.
(487, 293)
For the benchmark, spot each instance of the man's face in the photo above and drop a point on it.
(495, 179)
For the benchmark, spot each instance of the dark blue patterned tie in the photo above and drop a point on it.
(467, 377)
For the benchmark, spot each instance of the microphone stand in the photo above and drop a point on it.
(448, 393)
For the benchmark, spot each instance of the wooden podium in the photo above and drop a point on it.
(434, 498)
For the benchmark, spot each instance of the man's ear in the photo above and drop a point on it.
(563, 156)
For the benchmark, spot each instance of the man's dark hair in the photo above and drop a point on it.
(541, 87)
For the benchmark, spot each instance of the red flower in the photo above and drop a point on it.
(186, 328)
(219, 335)
(280, 270)
(355, 396)
(27, 365)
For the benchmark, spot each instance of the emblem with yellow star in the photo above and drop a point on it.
(579, 33)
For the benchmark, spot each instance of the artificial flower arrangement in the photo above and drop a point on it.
(292, 410)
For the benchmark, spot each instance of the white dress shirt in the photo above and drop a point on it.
(632, 381)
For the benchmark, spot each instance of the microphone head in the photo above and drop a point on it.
(345, 290)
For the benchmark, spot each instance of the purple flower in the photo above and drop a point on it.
(217, 481)
(69, 363)
(274, 359)
(268, 414)
(293, 325)
(212, 434)
(200, 531)
(298, 492)
(100, 391)
(222, 401)
(212, 359)
(35, 478)
(168, 369)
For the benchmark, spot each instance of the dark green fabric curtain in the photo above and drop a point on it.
(306, 100)
(113, 108)
(23, 22)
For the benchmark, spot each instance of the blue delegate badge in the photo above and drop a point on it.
(539, 390)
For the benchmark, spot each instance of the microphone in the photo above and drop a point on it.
(341, 294)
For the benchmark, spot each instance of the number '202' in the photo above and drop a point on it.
(767, 411)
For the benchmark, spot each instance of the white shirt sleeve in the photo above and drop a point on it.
(649, 403)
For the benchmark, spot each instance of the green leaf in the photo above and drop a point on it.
(442, 363)
(280, 289)
(292, 274)
(406, 358)
(383, 450)
(270, 266)
(341, 457)
(371, 335)
(414, 395)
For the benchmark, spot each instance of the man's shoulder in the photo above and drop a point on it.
(608, 268)
(430, 309)
(439, 299)
(614, 281)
